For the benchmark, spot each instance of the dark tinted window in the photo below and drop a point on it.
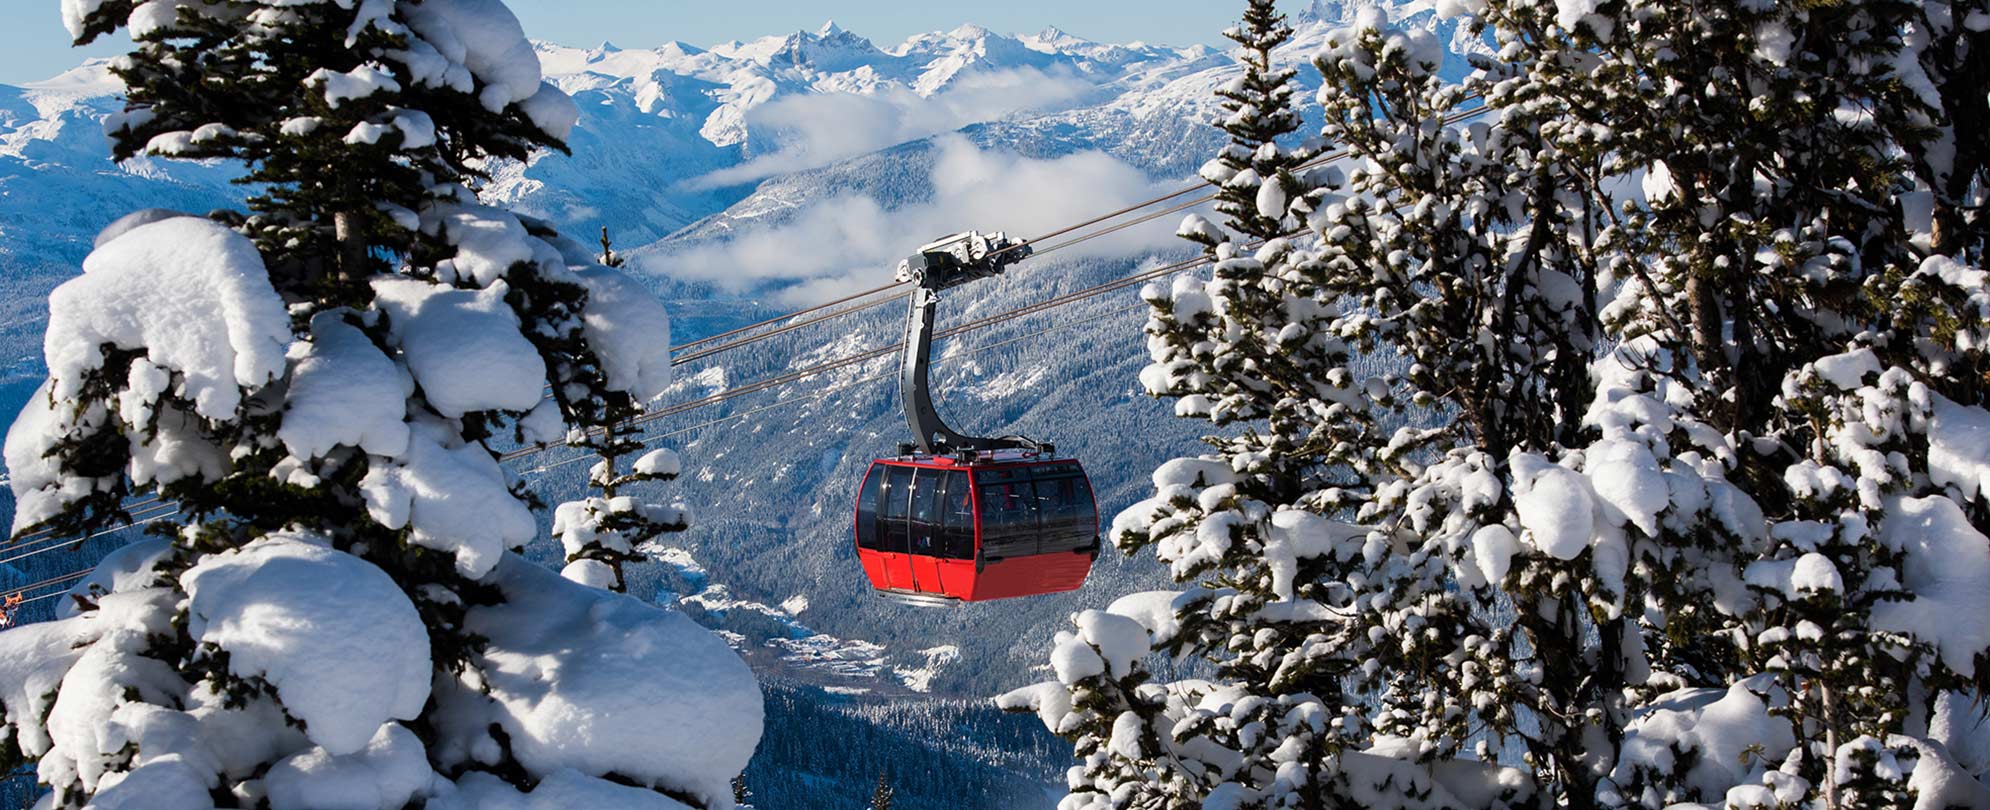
(896, 500)
(1002, 475)
(957, 519)
(1065, 513)
(1008, 519)
(928, 497)
(867, 509)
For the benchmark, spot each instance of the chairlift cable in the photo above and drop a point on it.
(61, 580)
(786, 403)
(703, 353)
(774, 320)
(136, 504)
(169, 510)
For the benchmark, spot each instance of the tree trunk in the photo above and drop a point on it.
(1706, 314)
(349, 231)
(1558, 647)
(1830, 748)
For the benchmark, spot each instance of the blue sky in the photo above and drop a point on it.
(33, 44)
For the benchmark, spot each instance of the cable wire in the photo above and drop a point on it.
(788, 403)
(169, 510)
(703, 353)
(61, 580)
(136, 504)
(770, 321)
(883, 351)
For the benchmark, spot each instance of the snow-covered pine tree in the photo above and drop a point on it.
(321, 383)
(604, 532)
(1256, 177)
(1251, 350)
(1671, 489)
(1119, 725)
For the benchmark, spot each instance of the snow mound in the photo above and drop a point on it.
(489, 241)
(1732, 730)
(162, 784)
(33, 660)
(1104, 644)
(463, 346)
(1849, 371)
(190, 293)
(131, 567)
(81, 746)
(552, 111)
(388, 772)
(344, 392)
(336, 637)
(1554, 504)
(629, 329)
(125, 224)
(1295, 535)
(661, 462)
(1626, 478)
(1938, 781)
(451, 496)
(1959, 447)
(37, 480)
(1158, 611)
(565, 789)
(580, 678)
(484, 36)
(1389, 775)
(1948, 571)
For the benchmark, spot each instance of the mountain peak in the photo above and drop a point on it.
(970, 31)
(1052, 33)
(1333, 11)
(829, 29)
(607, 47)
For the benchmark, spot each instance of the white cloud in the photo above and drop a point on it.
(810, 131)
(848, 243)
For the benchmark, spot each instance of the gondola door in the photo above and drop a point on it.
(895, 537)
(956, 563)
(928, 501)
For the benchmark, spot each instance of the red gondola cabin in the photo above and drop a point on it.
(940, 529)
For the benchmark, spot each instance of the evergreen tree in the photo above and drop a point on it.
(1256, 177)
(881, 796)
(323, 383)
(1652, 492)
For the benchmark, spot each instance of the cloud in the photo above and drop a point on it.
(848, 243)
(810, 131)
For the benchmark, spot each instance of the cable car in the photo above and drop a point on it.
(939, 529)
(954, 518)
